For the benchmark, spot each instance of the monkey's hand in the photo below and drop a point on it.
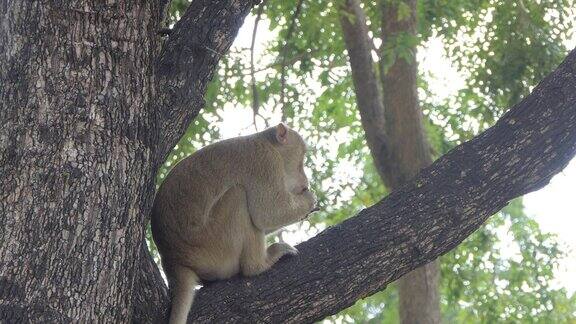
(277, 250)
(273, 253)
(310, 200)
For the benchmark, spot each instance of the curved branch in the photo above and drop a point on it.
(415, 224)
(188, 61)
(366, 84)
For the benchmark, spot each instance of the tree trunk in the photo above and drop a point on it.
(392, 121)
(80, 142)
(75, 87)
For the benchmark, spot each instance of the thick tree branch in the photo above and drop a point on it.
(188, 61)
(415, 224)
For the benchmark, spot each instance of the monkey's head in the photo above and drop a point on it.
(292, 148)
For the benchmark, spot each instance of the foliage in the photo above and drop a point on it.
(501, 48)
(481, 284)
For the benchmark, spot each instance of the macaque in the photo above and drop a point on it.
(212, 212)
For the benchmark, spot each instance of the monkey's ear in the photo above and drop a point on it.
(282, 133)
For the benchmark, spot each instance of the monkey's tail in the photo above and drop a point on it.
(182, 281)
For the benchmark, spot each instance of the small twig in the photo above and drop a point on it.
(255, 98)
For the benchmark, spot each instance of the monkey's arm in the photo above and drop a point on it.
(275, 207)
(271, 203)
(274, 231)
(257, 259)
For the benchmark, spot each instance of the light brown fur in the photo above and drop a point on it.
(212, 212)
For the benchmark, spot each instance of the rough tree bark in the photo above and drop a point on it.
(86, 116)
(392, 121)
(89, 108)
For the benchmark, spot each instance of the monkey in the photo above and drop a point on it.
(211, 214)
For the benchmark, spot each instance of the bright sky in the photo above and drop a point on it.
(551, 206)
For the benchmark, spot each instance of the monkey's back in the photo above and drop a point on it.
(182, 215)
